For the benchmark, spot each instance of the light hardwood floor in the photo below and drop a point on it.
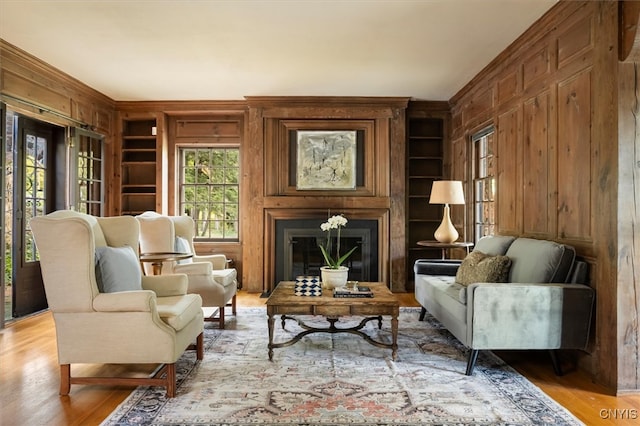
(29, 381)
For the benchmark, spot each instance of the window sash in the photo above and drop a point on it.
(209, 190)
(484, 183)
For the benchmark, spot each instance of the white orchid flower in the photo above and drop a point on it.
(334, 222)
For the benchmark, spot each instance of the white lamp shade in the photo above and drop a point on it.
(447, 192)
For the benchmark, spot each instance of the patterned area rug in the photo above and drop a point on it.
(340, 379)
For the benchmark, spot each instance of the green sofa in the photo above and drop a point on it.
(544, 303)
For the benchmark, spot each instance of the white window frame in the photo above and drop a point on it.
(484, 191)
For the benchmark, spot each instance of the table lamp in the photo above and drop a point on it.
(446, 192)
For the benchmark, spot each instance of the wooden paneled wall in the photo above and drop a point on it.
(267, 168)
(24, 77)
(552, 96)
(33, 88)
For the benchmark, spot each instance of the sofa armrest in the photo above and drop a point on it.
(166, 285)
(125, 301)
(528, 315)
(436, 266)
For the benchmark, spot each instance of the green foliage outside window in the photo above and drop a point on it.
(209, 191)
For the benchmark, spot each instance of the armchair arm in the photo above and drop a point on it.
(125, 301)
(218, 261)
(436, 266)
(193, 268)
(528, 315)
(166, 285)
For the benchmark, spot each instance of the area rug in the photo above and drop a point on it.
(340, 379)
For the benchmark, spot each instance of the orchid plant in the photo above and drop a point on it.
(334, 222)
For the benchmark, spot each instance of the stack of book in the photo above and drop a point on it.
(359, 291)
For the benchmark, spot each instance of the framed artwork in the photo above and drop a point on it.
(326, 159)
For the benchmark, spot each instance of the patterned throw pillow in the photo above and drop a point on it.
(479, 267)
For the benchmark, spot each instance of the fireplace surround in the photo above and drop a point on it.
(297, 249)
(293, 236)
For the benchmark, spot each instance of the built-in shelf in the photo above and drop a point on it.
(425, 164)
(138, 166)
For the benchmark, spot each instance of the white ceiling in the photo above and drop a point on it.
(225, 49)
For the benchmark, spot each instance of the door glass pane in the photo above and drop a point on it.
(89, 197)
(34, 190)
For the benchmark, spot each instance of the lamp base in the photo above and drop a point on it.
(446, 232)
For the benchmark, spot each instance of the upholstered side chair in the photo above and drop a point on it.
(105, 310)
(209, 275)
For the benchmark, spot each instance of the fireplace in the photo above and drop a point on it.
(297, 249)
(292, 235)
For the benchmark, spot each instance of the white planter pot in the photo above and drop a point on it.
(334, 278)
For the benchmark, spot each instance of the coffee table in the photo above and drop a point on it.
(284, 302)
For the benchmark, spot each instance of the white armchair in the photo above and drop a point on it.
(209, 275)
(104, 310)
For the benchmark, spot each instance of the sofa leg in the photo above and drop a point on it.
(471, 362)
(555, 362)
(423, 312)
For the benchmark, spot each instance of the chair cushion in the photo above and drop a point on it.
(479, 267)
(178, 311)
(117, 269)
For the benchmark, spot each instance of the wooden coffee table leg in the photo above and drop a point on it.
(270, 321)
(394, 336)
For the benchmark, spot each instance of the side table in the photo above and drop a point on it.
(158, 258)
(444, 246)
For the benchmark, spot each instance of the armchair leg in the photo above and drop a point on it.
(171, 380)
(233, 304)
(164, 376)
(423, 312)
(471, 362)
(200, 347)
(221, 318)
(65, 379)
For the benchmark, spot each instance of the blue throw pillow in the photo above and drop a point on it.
(117, 269)
(182, 246)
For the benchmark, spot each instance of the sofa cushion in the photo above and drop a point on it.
(494, 244)
(117, 269)
(479, 267)
(539, 261)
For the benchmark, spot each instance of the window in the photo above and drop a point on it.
(209, 190)
(484, 183)
(87, 173)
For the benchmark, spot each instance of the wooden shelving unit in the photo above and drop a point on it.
(139, 165)
(425, 164)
